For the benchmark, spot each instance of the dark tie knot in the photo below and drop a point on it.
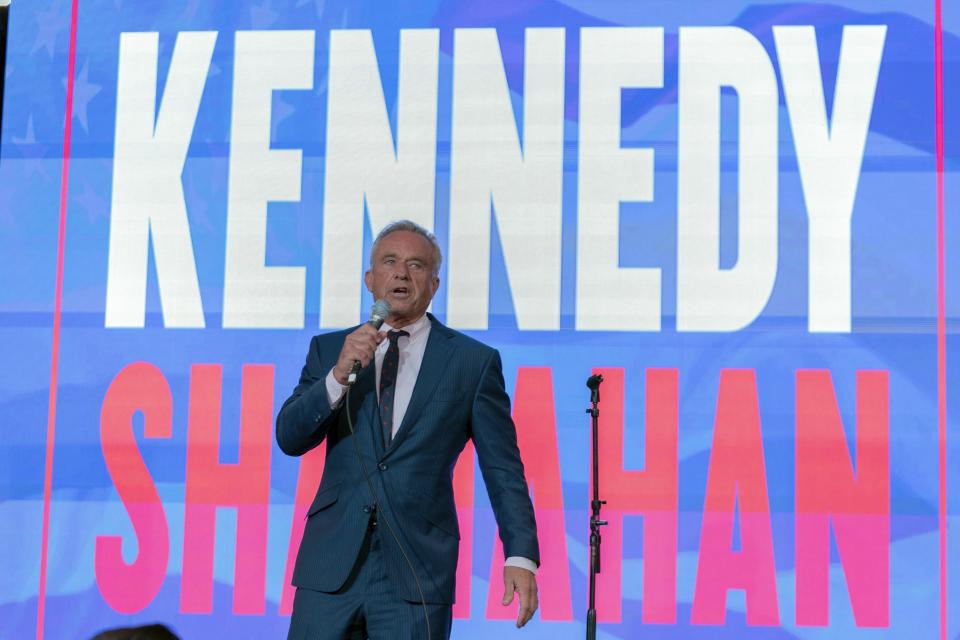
(395, 335)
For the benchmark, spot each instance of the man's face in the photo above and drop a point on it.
(402, 274)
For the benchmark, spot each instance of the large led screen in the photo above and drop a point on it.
(743, 215)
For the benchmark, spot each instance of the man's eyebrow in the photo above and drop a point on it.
(423, 259)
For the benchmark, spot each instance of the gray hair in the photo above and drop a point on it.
(409, 225)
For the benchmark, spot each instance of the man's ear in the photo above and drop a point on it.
(368, 280)
(435, 285)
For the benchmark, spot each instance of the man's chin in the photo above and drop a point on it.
(405, 313)
(398, 308)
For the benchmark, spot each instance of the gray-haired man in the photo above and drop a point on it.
(368, 561)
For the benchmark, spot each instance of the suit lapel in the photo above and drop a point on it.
(368, 412)
(435, 358)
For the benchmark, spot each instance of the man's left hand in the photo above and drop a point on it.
(524, 583)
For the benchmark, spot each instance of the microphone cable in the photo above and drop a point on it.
(376, 505)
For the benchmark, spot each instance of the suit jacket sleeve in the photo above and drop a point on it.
(306, 416)
(495, 439)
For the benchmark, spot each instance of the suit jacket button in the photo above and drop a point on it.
(383, 466)
(366, 508)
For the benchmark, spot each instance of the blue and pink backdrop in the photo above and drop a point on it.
(742, 214)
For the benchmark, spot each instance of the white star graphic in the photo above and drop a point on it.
(49, 24)
(83, 93)
(32, 152)
(92, 202)
(191, 11)
(319, 4)
(263, 16)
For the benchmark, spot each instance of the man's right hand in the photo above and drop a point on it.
(358, 346)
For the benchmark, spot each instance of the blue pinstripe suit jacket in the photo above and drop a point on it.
(459, 394)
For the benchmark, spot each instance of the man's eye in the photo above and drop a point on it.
(416, 265)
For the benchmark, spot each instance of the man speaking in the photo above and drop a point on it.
(379, 552)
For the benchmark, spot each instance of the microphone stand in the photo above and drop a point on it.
(593, 382)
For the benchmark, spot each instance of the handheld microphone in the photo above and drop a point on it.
(379, 313)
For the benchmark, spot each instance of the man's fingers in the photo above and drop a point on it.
(508, 588)
(361, 346)
(522, 616)
(528, 603)
(363, 354)
(364, 342)
(367, 331)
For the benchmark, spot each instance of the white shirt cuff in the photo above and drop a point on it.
(335, 390)
(523, 563)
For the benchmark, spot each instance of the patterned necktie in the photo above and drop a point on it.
(388, 383)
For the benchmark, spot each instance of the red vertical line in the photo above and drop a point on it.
(941, 318)
(57, 306)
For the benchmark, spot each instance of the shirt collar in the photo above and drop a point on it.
(416, 330)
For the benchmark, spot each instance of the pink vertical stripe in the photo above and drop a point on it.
(941, 318)
(58, 297)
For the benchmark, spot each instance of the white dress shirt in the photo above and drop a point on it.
(411, 357)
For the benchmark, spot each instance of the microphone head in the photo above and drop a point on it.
(593, 382)
(379, 312)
